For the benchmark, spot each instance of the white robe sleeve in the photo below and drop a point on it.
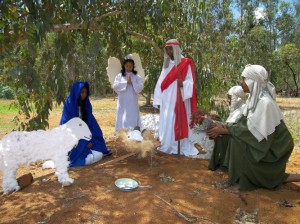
(120, 83)
(187, 89)
(137, 83)
(157, 90)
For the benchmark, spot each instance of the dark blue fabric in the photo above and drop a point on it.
(78, 154)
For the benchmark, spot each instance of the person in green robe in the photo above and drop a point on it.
(236, 100)
(259, 144)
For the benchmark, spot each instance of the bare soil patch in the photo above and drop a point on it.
(183, 190)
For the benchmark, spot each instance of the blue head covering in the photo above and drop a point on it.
(71, 109)
(71, 106)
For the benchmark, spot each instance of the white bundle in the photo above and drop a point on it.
(150, 122)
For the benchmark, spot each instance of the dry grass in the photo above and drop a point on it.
(286, 103)
(104, 110)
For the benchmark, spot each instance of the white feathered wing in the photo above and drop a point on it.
(113, 69)
(138, 65)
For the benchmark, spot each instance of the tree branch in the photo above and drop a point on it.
(111, 14)
(158, 50)
(294, 77)
(77, 26)
(95, 27)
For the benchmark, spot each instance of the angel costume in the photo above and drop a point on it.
(128, 113)
(165, 96)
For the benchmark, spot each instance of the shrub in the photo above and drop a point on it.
(6, 92)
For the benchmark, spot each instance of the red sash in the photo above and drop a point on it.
(172, 76)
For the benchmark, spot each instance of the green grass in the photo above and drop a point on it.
(6, 107)
(7, 113)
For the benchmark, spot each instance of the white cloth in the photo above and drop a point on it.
(48, 164)
(128, 113)
(237, 104)
(135, 135)
(263, 114)
(176, 53)
(167, 100)
(236, 115)
(267, 116)
(93, 157)
(199, 136)
(150, 122)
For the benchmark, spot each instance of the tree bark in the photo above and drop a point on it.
(294, 77)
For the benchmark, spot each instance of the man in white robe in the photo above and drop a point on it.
(177, 72)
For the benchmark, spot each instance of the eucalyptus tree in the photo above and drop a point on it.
(48, 44)
(287, 52)
(287, 63)
(286, 24)
(218, 70)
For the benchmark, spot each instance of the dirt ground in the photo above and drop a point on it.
(183, 191)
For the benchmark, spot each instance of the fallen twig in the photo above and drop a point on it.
(285, 203)
(79, 195)
(191, 218)
(117, 159)
(243, 199)
(47, 219)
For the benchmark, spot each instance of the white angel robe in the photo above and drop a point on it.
(167, 100)
(128, 113)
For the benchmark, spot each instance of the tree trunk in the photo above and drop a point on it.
(295, 79)
(148, 98)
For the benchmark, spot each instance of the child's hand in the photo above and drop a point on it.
(129, 78)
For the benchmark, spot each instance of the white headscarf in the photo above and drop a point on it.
(237, 104)
(262, 112)
(176, 52)
(256, 79)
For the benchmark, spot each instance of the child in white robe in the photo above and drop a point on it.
(128, 84)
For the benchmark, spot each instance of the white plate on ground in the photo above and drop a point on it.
(126, 184)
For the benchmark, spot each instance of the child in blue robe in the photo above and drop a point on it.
(78, 104)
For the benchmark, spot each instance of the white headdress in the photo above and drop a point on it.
(256, 79)
(114, 66)
(237, 97)
(237, 104)
(262, 112)
(176, 52)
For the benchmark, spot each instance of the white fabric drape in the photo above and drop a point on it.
(263, 113)
(237, 104)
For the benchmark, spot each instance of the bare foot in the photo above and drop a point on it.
(219, 172)
(292, 178)
(233, 189)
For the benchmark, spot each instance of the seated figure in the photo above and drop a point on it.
(259, 144)
(78, 104)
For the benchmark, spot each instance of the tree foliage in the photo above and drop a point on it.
(47, 45)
